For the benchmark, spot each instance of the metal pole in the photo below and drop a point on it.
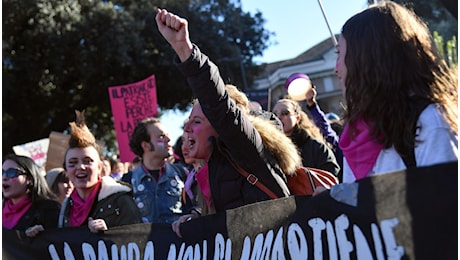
(327, 23)
(269, 105)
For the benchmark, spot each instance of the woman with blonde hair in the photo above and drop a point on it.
(306, 136)
(221, 133)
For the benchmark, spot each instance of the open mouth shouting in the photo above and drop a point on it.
(191, 143)
(6, 187)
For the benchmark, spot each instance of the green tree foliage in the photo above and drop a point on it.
(452, 51)
(441, 17)
(62, 55)
(448, 50)
(435, 14)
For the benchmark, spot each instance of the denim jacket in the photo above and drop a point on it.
(159, 202)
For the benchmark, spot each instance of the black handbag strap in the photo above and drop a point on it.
(312, 182)
(409, 156)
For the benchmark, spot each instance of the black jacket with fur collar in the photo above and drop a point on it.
(245, 143)
(114, 204)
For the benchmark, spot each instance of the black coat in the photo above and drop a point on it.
(114, 204)
(229, 189)
(42, 212)
(315, 153)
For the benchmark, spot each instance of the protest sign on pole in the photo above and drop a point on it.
(130, 104)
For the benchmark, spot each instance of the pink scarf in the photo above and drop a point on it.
(189, 183)
(81, 208)
(203, 182)
(361, 151)
(12, 213)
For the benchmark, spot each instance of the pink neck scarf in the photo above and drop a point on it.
(189, 183)
(82, 207)
(360, 151)
(12, 213)
(203, 182)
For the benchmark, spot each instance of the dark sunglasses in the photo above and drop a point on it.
(283, 112)
(12, 173)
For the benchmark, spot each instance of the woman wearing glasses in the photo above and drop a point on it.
(28, 203)
(306, 136)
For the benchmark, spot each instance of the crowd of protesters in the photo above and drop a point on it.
(225, 133)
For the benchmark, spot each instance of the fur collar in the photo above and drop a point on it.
(110, 186)
(286, 153)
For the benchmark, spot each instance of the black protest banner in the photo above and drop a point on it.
(409, 215)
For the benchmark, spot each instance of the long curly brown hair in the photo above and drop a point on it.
(392, 64)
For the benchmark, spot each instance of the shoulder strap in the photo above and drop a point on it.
(409, 156)
(409, 159)
(251, 178)
(312, 182)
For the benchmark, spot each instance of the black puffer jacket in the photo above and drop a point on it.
(238, 136)
(315, 153)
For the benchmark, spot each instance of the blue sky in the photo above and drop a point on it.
(298, 25)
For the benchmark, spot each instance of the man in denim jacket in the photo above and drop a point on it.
(157, 184)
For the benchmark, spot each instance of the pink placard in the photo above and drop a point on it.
(130, 104)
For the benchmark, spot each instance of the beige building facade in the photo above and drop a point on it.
(319, 64)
